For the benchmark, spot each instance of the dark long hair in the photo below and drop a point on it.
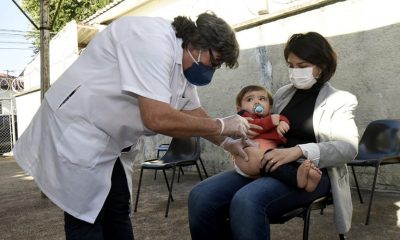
(313, 48)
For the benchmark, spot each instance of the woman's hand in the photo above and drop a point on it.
(277, 157)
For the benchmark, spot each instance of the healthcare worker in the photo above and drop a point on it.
(137, 77)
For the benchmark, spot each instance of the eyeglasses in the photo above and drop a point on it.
(214, 62)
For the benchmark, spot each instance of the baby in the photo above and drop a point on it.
(254, 102)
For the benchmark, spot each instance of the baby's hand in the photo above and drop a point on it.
(282, 128)
(275, 119)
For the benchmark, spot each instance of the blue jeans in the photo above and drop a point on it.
(113, 221)
(249, 204)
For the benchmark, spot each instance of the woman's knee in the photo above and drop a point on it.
(195, 194)
(198, 199)
(242, 204)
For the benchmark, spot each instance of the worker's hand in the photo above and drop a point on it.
(252, 133)
(235, 126)
(236, 146)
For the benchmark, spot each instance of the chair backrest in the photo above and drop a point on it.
(183, 149)
(380, 139)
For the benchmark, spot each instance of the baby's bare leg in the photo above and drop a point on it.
(252, 166)
(314, 176)
(302, 173)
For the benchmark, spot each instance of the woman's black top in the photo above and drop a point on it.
(299, 111)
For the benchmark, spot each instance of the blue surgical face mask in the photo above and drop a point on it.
(199, 74)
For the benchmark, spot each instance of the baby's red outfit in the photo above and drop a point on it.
(269, 131)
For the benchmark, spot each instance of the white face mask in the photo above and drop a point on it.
(302, 78)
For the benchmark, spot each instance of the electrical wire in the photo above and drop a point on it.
(27, 48)
(15, 42)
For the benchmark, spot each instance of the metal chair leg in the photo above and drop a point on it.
(358, 188)
(204, 169)
(170, 191)
(199, 172)
(372, 194)
(138, 190)
(306, 219)
(155, 171)
(179, 173)
(167, 182)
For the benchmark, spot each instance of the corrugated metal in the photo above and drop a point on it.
(113, 11)
(85, 34)
(103, 10)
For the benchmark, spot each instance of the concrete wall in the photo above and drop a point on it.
(26, 105)
(364, 35)
(63, 52)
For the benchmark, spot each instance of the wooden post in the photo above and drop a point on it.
(44, 47)
(44, 51)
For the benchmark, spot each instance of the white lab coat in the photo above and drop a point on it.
(91, 112)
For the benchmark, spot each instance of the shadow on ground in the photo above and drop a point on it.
(25, 215)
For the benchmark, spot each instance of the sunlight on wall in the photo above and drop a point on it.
(27, 106)
(336, 19)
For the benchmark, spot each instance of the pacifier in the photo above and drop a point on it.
(258, 109)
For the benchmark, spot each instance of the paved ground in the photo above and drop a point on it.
(25, 215)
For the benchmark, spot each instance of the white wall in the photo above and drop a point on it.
(27, 105)
(364, 33)
(63, 52)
